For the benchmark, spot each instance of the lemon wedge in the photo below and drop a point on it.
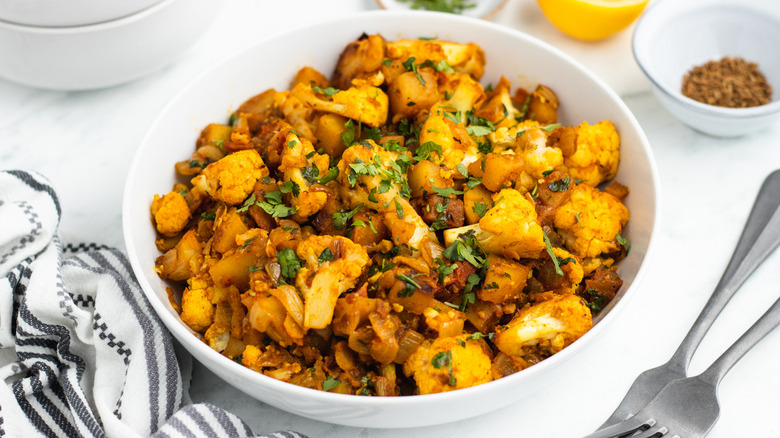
(592, 19)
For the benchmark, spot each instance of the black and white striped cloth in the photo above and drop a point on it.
(82, 353)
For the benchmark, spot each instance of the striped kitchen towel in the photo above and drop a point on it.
(82, 352)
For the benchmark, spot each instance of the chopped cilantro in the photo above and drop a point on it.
(248, 203)
(622, 240)
(480, 208)
(446, 192)
(478, 335)
(451, 6)
(442, 66)
(330, 383)
(340, 218)
(290, 187)
(332, 174)
(399, 210)
(462, 170)
(440, 222)
(560, 185)
(310, 173)
(330, 91)
(425, 150)
(277, 209)
(485, 147)
(466, 248)
(552, 254)
(409, 65)
(478, 131)
(325, 256)
(443, 269)
(597, 300)
(348, 135)
(444, 360)
(567, 260)
(409, 285)
(289, 262)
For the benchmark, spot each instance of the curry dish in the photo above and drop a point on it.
(396, 228)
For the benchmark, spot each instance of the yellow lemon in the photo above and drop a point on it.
(592, 19)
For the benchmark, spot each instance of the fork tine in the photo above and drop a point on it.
(626, 427)
(653, 432)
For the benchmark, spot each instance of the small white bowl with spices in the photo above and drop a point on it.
(674, 37)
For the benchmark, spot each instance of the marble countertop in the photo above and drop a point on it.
(84, 142)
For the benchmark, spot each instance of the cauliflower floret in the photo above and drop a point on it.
(590, 221)
(539, 158)
(512, 219)
(597, 153)
(370, 174)
(296, 113)
(197, 310)
(545, 328)
(457, 146)
(449, 363)
(463, 58)
(297, 156)
(333, 265)
(232, 178)
(171, 213)
(509, 228)
(571, 268)
(362, 102)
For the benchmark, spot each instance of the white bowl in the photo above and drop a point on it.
(672, 37)
(105, 54)
(56, 13)
(211, 98)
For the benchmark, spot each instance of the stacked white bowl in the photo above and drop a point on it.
(87, 44)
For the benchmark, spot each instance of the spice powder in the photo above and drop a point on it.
(729, 82)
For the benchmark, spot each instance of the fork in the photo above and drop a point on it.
(688, 407)
(759, 238)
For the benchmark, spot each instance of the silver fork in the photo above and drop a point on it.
(759, 238)
(688, 408)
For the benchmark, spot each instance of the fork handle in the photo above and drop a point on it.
(734, 353)
(759, 238)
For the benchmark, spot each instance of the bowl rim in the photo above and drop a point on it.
(180, 331)
(86, 28)
(640, 33)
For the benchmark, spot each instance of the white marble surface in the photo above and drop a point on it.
(84, 142)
